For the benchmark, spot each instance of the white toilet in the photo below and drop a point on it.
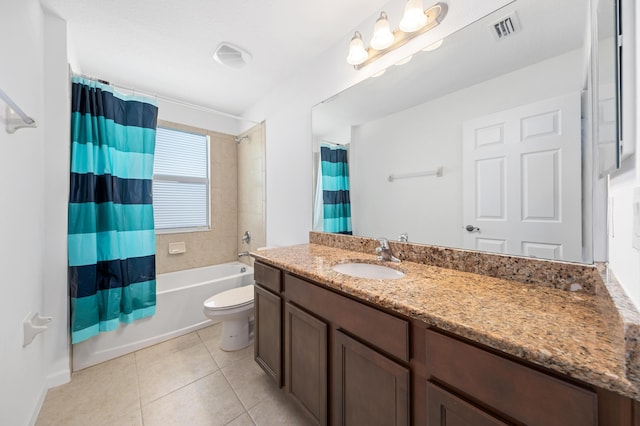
(235, 309)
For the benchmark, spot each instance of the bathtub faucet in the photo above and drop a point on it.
(243, 254)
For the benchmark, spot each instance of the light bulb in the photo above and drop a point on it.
(414, 17)
(382, 35)
(357, 52)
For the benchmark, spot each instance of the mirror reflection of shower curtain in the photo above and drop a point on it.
(333, 205)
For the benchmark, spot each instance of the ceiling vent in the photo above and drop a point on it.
(231, 56)
(505, 27)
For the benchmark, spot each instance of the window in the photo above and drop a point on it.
(181, 181)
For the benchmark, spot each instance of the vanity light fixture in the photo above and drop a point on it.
(382, 35)
(357, 53)
(384, 41)
(414, 17)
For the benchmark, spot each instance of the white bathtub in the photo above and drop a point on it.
(179, 299)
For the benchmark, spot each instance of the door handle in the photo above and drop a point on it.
(471, 228)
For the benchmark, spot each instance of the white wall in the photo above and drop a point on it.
(287, 111)
(25, 218)
(201, 118)
(177, 111)
(55, 124)
(624, 259)
(429, 136)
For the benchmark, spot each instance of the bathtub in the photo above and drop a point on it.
(179, 299)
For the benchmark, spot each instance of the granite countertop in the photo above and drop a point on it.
(577, 334)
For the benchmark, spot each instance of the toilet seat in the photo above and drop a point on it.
(230, 299)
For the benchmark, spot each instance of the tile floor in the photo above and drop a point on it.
(184, 381)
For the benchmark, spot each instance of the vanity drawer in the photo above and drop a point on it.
(267, 277)
(382, 330)
(512, 389)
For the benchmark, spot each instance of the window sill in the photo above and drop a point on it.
(181, 230)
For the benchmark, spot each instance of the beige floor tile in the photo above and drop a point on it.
(208, 401)
(211, 338)
(172, 365)
(170, 346)
(243, 420)
(179, 383)
(278, 409)
(134, 418)
(96, 395)
(250, 383)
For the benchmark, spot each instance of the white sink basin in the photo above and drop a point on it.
(368, 270)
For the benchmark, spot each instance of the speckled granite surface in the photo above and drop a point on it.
(547, 273)
(578, 334)
(629, 316)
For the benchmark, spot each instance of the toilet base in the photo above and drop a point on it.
(236, 334)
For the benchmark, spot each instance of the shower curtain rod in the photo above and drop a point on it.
(166, 99)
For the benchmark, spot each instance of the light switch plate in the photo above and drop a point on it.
(636, 219)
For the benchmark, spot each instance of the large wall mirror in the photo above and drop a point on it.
(487, 143)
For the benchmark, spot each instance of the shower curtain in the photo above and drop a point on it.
(335, 189)
(111, 239)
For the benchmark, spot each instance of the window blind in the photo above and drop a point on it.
(181, 180)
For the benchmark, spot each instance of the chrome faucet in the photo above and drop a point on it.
(243, 254)
(246, 238)
(384, 251)
(404, 237)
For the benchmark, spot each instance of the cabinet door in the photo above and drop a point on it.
(446, 409)
(268, 329)
(306, 361)
(368, 388)
(514, 390)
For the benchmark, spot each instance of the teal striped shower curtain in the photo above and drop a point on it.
(335, 189)
(111, 239)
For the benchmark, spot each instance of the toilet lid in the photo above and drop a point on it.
(231, 298)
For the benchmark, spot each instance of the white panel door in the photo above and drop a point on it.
(522, 180)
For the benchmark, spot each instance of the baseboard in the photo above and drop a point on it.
(59, 378)
(38, 407)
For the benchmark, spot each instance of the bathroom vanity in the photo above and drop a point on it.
(438, 346)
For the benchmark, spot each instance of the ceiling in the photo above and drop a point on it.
(165, 47)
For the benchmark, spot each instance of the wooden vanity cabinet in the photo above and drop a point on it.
(446, 409)
(502, 387)
(369, 388)
(339, 352)
(306, 373)
(268, 320)
(346, 362)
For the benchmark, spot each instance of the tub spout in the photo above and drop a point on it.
(243, 254)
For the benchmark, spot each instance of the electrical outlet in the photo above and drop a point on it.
(636, 219)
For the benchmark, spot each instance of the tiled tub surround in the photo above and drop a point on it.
(579, 334)
(251, 191)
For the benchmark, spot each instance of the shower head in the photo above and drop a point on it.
(240, 139)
